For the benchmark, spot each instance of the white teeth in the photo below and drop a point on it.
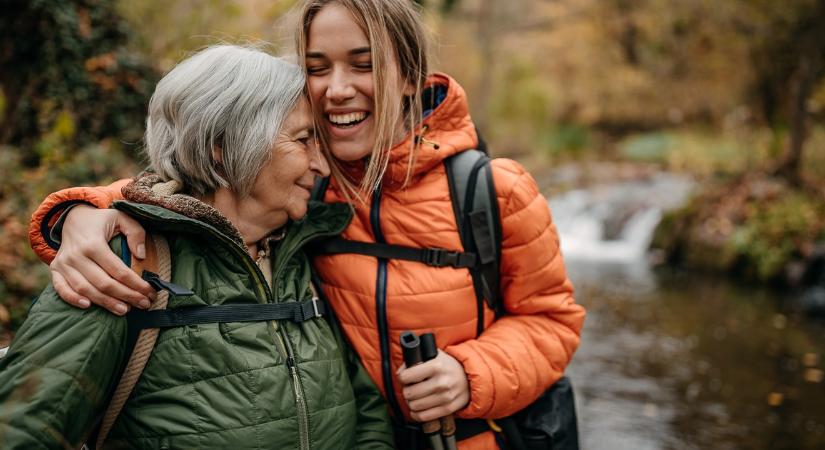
(348, 118)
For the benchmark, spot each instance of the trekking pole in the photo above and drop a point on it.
(411, 347)
(429, 350)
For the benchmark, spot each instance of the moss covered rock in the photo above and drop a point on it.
(757, 226)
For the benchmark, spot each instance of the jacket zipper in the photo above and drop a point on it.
(381, 308)
(277, 333)
(300, 398)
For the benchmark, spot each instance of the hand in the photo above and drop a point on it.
(436, 388)
(86, 271)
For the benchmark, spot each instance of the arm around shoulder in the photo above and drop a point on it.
(55, 203)
(524, 352)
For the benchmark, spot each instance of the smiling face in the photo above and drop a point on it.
(340, 81)
(366, 63)
(284, 184)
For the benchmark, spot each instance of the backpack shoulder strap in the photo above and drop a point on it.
(141, 344)
(473, 194)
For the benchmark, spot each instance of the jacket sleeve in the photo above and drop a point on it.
(58, 375)
(49, 211)
(373, 427)
(524, 352)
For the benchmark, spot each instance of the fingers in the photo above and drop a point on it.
(115, 279)
(87, 289)
(85, 258)
(432, 399)
(419, 372)
(135, 234)
(435, 413)
(93, 283)
(67, 293)
(435, 388)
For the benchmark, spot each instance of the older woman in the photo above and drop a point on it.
(230, 140)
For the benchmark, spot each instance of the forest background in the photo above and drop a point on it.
(729, 92)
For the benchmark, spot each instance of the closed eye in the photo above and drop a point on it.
(307, 137)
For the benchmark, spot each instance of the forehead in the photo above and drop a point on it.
(334, 28)
(299, 118)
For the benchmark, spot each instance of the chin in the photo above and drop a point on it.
(350, 151)
(298, 213)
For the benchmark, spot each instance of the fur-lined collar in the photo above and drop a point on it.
(150, 189)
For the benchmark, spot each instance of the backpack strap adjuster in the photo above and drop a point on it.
(315, 309)
(438, 257)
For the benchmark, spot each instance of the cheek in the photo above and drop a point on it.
(366, 85)
(316, 87)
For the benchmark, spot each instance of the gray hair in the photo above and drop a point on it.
(226, 96)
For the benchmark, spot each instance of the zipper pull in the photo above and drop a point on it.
(161, 285)
(420, 138)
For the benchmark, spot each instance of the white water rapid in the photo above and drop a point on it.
(614, 223)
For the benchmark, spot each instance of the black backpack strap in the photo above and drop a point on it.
(473, 194)
(253, 312)
(482, 144)
(435, 257)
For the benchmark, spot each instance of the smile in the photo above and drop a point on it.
(347, 120)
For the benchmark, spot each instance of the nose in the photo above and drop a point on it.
(340, 86)
(318, 162)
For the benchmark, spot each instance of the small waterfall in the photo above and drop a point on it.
(614, 223)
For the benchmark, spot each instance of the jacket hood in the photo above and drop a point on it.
(445, 129)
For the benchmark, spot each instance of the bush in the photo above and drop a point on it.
(757, 226)
(777, 232)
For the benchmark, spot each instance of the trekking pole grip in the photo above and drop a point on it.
(411, 349)
(429, 350)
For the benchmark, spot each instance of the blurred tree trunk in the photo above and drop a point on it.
(788, 61)
(802, 86)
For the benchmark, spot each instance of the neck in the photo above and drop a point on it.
(252, 219)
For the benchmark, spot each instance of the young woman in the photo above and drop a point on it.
(388, 127)
(230, 139)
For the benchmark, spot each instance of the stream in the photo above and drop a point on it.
(671, 359)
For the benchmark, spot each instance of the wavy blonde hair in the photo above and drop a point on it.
(396, 35)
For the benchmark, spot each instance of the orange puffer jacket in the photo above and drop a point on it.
(518, 356)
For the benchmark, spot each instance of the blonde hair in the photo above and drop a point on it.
(396, 35)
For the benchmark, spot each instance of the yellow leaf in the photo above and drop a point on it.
(775, 398)
(814, 375)
(64, 125)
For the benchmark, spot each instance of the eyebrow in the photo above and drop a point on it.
(354, 52)
(359, 51)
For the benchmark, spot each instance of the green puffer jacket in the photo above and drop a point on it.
(220, 386)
